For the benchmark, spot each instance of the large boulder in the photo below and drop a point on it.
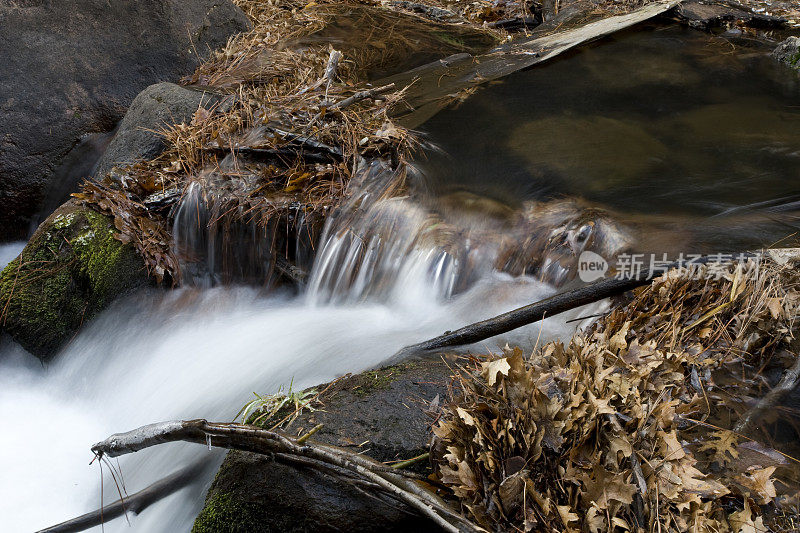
(158, 106)
(73, 67)
(789, 52)
(385, 414)
(71, 269)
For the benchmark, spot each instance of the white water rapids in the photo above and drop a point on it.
(200, 353)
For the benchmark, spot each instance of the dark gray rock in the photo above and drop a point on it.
(73, 67)
(789, 52)
(380, 413)
(159, 105)
(706, 15)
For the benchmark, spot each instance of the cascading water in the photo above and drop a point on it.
(385, 276)
(391, 272)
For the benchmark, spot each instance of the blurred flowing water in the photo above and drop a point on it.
(201, 352)
(661, 126)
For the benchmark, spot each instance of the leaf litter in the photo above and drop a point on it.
(626, 427)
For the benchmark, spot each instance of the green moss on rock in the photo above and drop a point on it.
(789, 52)
(371, 381)
(72, 268)
(224, 513)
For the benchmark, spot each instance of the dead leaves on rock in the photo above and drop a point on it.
(622, 429)
(135, 225)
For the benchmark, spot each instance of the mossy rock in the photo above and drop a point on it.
(71, 269)
(379, 413)
(788, 52)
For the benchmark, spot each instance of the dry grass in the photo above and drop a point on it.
(628, 427)
(280, 146)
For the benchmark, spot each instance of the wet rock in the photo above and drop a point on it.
(71, 269)
(587, 150)
(158, 106)
(789, 52)
(73, 68)
(707, 16)
(380, 413)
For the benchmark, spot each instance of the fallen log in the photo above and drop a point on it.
(537, 311)
(135, 503)
(392, 482)
(430, 87)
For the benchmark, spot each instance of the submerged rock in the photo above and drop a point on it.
(72, 268)
(380, 413)
(789, 52)
(74, 67)
(155, 108)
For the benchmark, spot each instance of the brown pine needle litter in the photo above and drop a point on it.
(292, 124)
(627, 427)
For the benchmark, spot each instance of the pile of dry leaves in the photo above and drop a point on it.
(629, 426)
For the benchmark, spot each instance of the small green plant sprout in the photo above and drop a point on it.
(264, 408)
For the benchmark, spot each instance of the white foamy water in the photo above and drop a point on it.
(202, 352)
(193, 354)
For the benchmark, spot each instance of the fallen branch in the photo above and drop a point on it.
(361, 95)
(301, 146)
(135, 503)
(248, 438)
(789, 381)
(331, 69)
(430, 87)
(535, 312)
(277, 153)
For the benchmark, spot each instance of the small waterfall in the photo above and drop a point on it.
(381, 248)
(390, 271)
(219, 243)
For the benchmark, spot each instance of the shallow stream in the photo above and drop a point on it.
(664, 127)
